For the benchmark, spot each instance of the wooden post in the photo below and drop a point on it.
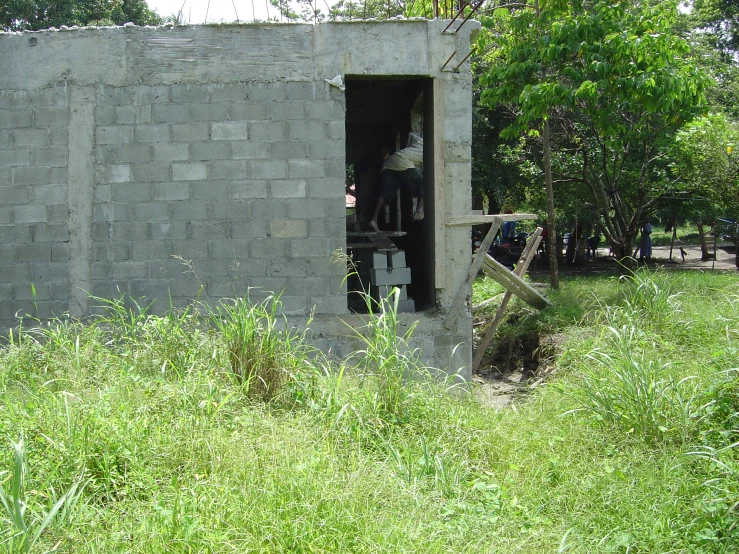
(521, 267)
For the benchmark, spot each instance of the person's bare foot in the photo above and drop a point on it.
(372, 226)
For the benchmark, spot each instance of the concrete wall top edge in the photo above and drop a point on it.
(237, 52)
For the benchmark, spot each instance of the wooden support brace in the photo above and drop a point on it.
(523, 264)
(477, 261)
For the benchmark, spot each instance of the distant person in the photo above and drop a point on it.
(508, 230)
(573, 254)
(592, 245)
(400, 169)
(645, 248)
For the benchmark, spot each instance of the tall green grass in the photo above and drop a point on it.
(149, 422)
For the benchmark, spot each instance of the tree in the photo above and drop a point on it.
(625, 84)
(32, 15)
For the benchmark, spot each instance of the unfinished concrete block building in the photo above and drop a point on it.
(124, 151)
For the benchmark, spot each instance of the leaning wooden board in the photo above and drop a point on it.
(511, 282)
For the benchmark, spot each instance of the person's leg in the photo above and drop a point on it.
(390, 184)
(378, 206)
(413, 180)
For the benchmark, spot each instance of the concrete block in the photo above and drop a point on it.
(116, 134)
(294, 305)
(326, 110)
(169, 230)
(6, 213)
(170, 113)
(332, 304)
(268, 209)
(114, 96)
(174, 152)
(267, 130)
(58, 136)
(384, 291)
(228, 170)
(15, 195)
(305, 169)
(153, 211)
(307, 286)
(327, 149)
(60, 252)
(170, 191)
(288, 228)
(30, 214)
(45, 272)
(205, 230)
(15, 273)
(50, 117)
(250, 150)
(309, 208)
(229, 130)
(300, 90)
(128, 270)
(132, 192)
(326, 188)
(103, 193)
(401, 276)
(107, 289)
(307, 129)
(189, 94)
(282, 111)
(14, 158)
(7, 253)
(16, 233)
(289, 149)
(281, 188)
(133, 115)
(267, 169)
(150, 250)
(58, 175)
(327, 227)
(190, 249)
(249, 229)
(48, 195)
(406, 306)
(379, 260)
(51, 157)
(248, 189)
(337, 129)
(189, 132)
(227, 92)
(216, 191)
(147, 94)
(287, 268)
(205, 151)
(40, 291)
(30, 138)
(208, 112)
(111, 212)
(251, 111)
(107, 251)
(156, 290)
(335, 168)
(49, 232)
(14, 119)
(151, 133)
(268, 248)
(309, 248)
(189, 171)
(33, 252)
(105, 115)
(397, 259)
(269, 92)
(189, 211)
(130, 153)
(151, 172)
(229, 249)
(130, 231)
(59, 290)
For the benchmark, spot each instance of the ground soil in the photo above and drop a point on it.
(513, 366)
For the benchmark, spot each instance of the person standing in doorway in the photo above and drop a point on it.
(401, 169)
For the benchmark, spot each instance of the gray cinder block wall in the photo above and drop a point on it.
(124, 151)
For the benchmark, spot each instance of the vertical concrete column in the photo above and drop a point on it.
(440, 192)
(81, 189)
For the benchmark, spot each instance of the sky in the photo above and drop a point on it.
(194, 11)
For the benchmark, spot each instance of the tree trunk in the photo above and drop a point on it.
(551, 228)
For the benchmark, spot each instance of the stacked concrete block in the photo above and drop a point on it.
(207, 180)
(34, 238)
(388, 272)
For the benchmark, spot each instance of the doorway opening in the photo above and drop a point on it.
(382, 114)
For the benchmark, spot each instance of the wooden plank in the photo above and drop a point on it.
(514, 283)
(466, 289)
(469, 220)
(523, 265)
(439, 185)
